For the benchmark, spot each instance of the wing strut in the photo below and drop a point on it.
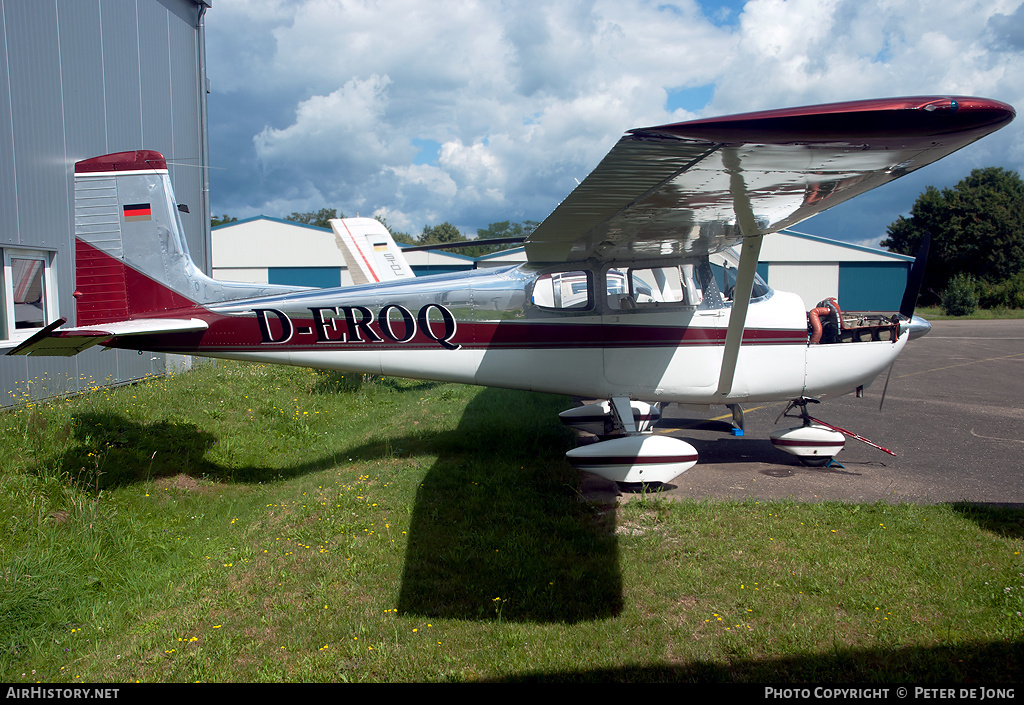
(747, 269)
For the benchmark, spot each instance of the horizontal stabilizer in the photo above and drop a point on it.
(70, 341)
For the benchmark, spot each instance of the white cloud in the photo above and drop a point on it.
(525, 98)
(344, 123)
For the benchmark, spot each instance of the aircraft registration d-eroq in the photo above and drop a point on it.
(631, 292)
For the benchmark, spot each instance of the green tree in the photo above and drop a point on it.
(398, 236)
(448, 233)
(221, 220)
(977, 229)
(501, 230)
(440, 234)
(320, 218)
(960, 297)
(507, 228)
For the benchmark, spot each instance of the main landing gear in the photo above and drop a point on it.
(629, 451)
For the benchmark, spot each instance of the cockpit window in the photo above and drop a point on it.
(706, 283)
(725, 266)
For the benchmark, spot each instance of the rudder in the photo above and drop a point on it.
(131, 256)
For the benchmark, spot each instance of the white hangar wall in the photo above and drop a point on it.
(861, 278)
(268, 250)
(78, 79)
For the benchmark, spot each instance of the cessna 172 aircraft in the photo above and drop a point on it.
(630, 292)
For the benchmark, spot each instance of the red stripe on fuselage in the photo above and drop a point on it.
(241, 333)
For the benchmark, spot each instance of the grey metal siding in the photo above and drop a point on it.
(122, 84)
(80, 78)
(33, 57)
(156, 82)
(8, 186)
(187, 153)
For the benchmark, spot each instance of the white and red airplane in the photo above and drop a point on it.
(630, 294)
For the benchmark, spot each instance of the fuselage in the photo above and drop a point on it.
(651, 332)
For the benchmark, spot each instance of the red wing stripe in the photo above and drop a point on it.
(807, 444)
(635, 460)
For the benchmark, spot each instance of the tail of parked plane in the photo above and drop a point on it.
(370, 252)
(133, 271)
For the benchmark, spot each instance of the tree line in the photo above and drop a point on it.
(977, 250)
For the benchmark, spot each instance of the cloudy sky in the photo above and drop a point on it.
(477, 112)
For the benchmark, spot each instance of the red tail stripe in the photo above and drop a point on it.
(109, 290)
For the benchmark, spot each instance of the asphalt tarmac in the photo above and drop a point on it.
(953, 414)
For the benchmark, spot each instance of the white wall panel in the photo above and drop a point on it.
(813, 282)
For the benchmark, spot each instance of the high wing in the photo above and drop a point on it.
(696, 187)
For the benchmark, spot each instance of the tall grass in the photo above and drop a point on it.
(250, 523)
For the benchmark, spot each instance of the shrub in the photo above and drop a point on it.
(960, 297)
(1008, 293)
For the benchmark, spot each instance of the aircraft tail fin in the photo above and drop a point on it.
(133, 271)
(369, 250)
(131, 256)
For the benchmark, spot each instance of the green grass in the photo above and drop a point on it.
(250, 523)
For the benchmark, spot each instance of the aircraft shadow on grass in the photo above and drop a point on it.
(1002, 519)
(114, 451)
(497, 530)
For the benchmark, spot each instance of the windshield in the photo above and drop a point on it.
(725, 266)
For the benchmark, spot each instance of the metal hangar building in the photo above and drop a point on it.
(78, 79)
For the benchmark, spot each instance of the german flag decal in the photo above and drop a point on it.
(137, 211)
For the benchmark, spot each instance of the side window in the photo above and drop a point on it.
(647, 287)
(656, 285)
(29, 299)
(563, 290)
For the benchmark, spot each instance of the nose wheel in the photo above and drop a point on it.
(815, 442)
